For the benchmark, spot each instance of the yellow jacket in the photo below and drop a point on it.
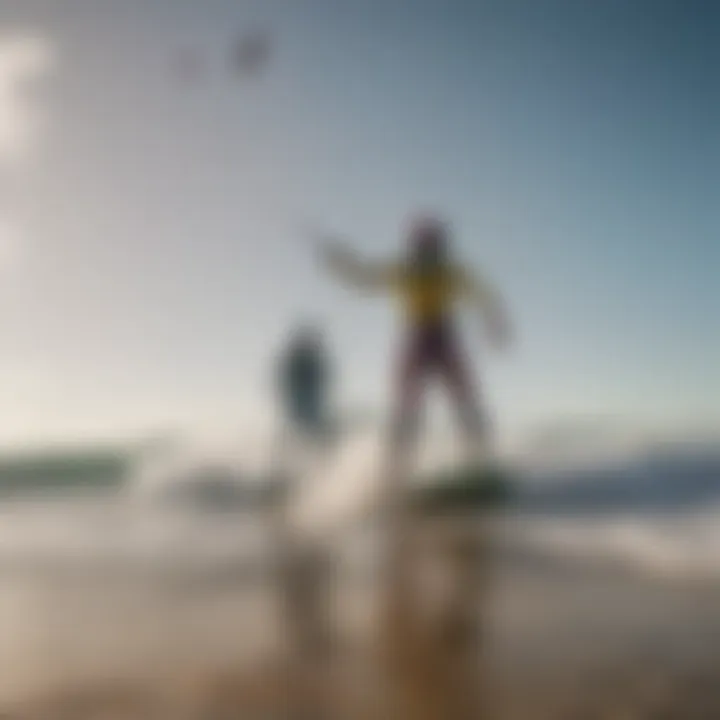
(424, 296)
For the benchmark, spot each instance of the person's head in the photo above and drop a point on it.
(428, 242)
(308, 336)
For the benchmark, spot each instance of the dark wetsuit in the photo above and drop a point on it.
(304, 380)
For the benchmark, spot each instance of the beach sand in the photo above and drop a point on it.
(559, 643)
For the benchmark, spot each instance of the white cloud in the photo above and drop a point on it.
(23, 59)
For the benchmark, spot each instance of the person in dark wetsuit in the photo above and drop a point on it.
(304, 378)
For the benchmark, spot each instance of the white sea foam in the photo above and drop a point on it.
(661, 517)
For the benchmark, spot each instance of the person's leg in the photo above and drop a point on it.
(408, 394)
(452, 366)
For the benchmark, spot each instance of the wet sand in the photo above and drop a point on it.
(560, 644)
(585, 645)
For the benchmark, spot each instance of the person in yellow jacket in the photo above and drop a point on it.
(429, 285)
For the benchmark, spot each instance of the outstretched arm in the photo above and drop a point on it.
(487, 300)
(352, 270)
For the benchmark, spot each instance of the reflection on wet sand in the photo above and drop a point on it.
(562, 646)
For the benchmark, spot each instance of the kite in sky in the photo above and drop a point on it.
(249, 54)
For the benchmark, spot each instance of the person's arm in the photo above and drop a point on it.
(488, 302)
(352, 270)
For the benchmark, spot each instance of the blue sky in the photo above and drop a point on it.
(156, 259)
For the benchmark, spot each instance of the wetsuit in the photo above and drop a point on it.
(303, 384)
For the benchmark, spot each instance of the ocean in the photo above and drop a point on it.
(656, 513)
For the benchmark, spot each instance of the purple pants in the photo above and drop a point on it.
(433, 349)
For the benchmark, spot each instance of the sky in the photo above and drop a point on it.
(151, 253)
